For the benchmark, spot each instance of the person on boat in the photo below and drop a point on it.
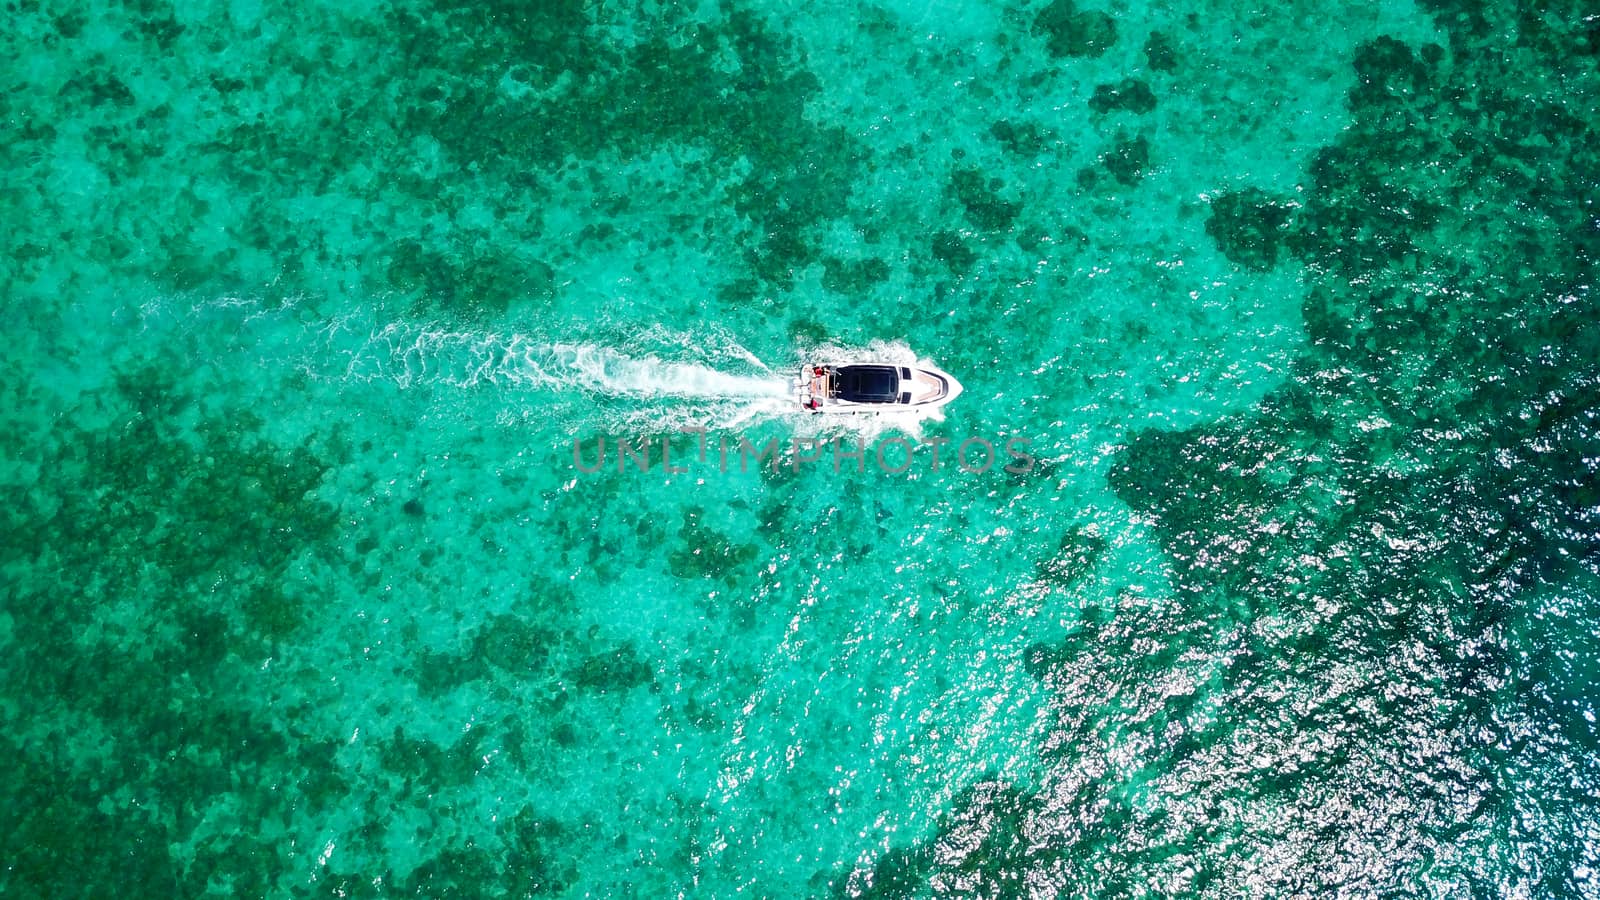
(818, 386)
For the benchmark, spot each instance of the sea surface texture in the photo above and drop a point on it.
(1291, 304)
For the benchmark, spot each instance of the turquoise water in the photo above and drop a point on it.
(306, 307)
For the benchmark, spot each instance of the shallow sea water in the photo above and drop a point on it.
(306, 307)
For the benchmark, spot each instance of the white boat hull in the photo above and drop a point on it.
(874, 389)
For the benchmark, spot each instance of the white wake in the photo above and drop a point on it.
(411, 356)
(659, 378)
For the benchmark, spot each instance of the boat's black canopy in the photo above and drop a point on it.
(867, 384)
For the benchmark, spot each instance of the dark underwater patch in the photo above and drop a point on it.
(1077, 555)
(704, 552)
(1250, 227)
(613, 670)
(981, 198)
(853, 276)
(1129, 95)
(952, 250)
(204, 523)
(1159, 53)
(1071, 32)
(1127, 160)
(1391, 559)
(463, 67)
(1022, 138)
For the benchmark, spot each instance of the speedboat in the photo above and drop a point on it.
(874, 388)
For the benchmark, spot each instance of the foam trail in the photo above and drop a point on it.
(607, 371)
(414, 357)
(653, 380)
